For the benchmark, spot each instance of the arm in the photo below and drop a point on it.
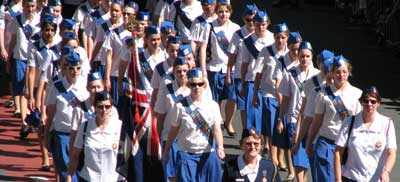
(203, 50)
(4, 53)
(51, 109)
(153, 97)
(90, 48)
(299, 121)
(231, 62)
(121, 74)
(219, 141)
(12, 43)
(242, 76)
(257, 82)
(171, 137)
(283, 107)
(312, 133)
(73, 163)
(107, 74)
(30, 82)
(337, 164)
(390, 161)
(160, 121)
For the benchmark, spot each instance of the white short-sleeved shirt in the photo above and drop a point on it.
(191, 11)
(64, 106)
(190, 138)
(92, 21)
(235, 47)
(101, 150)
(157, 78)
(367, 146)
(266, 64)
(248, 57)
(289, 88)
(219, 56)
(81, 12)
(309, 109)
(22, 37)
(279, 67)
(114, 42)
(331, 121)
(198, 27)
(311, 83)
(6, 16)
(165, 103)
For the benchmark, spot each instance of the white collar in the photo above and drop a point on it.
(244, 169)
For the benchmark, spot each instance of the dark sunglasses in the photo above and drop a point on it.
(366, 101)
(107, 107)
(249, 144)
(199, 84)
(74, 68)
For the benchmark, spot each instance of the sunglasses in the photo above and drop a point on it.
(366, 101)
(249, 144)
(101, 107)
(74, 68)
(249, 20)
(199, 84)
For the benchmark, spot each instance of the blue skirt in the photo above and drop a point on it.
(253, 114)
(204, 167)
(323, 159)
(59, 150)
(240, 102)
(18, 77)
(219, 90)
(171, 166)
(300, 159)
(270, 113)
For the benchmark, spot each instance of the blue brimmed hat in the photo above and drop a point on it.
(250, 9)
(54, 3)
(185, 49)
(94, 76)
(133, 5)
(339, 61)
(73, 58)
(68, 23)
(294, 38)
(278, 28)
(150, 30)
(167, 27)
(179, 61)
(195, 73)
(50, 19)
(326, 57)
(305, 45)
(261, 16)
(207, 2)
(143, 16)
(174, 39)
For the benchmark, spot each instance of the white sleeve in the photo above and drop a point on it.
(160, 105)
(233, 45)
(309, 108)
(175, 115)
(76, 119)
(320, 103)
(343, 132)
(79, 136)
(284, 87)
(51, 98)
(155, 79)
(391, 136)
(32, 55)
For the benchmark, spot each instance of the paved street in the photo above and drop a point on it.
(321, 25)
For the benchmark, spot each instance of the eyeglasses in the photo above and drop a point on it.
(101, 107)
(249, 20)
(366, 101)
(199, 84)
(249, 144)
(74, 68)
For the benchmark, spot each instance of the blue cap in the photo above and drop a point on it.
(339, 61)
(223, 1)
(133, 5)
(167, 27)
(143, 16)
(66, 50)
(185, 49)
(68, 23)
(174, 39)
(94, 76)
(69, 36)
(207, 2)
(54, 3)
(151, 30)
(305, 45)
(33, 119)
(73, 58)
(118, 2)
(294, 38)
(47, 10)
(250, 9)
(278, 28)
(261, 16)
(179, 61)
(195, 73)
(50, 19)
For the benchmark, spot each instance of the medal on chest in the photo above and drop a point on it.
(378, 143)
(264, 178)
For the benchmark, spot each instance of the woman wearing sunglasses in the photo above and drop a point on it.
(371, 142)
(98, 139)
(250, 166)
(196, 123)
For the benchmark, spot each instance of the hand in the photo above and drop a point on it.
(38, 105)
(165, 156)
(221, 153)
(243, 92)
(255, 100)
(280, 126)
(69, 178)
(4, 55)
(295, 138)
(309, 150)
(228, 81)
(31, 103)
(107, 84)
(384, 176)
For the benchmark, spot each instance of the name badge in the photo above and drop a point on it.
(239, 179)
(222, 41)
(340, 107)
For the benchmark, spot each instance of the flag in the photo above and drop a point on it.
(139, 156)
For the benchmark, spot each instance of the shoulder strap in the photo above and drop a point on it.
(350, 129)
(160, 69)
(19, 20)
(249, 43)
(105, 28)
(60, 87)
(84, 8)
(315, 81)
(282, 61)
(271, 52)
(201, 20)
(239, 32)
(84, 133)
(185, 20)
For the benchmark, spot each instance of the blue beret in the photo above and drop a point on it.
(68, 36)
(50, 19)
(278, 28)
(167, 27)
(143, 16)
(339, 60)
(261, 16)
(68, 23)
(151, 30)
(223, 1)
(33, 119)
(133, 5)
(73, 58)
(179, 61)
(47, 10)
(326, 57)
(195, 73)
(66, 50)
(185, 49)
(54, 3)
(294, 38)
(250, 9)
(118, 2)
(94, 76)
(207, 2)
(174, 39)
(305, 45)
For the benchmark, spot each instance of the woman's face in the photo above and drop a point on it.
(260, 27)
(57, 11)
(48, 33)
(209, 9)
(294, 49)
(140, 26)
(340, 74)
(116, 12)
(249, 22)
(172, 51)
(281, 39)
(180, 73)
(95, 86)
(103, 110)
(251, 146)
(223, 14)
(370, 104)
(74, 44)
(128, 13)
(153, 41)
(73, 72)
(305, 57)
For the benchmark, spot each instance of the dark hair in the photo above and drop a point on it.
(44, 24)
(102, 96)
(371, 91)
(251, 132)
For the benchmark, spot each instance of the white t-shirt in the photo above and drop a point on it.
(367, 146)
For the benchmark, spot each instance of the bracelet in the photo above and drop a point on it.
(221, 148)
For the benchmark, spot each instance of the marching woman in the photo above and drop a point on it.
(250, 166)
(370, 140)
(98, 139)
(332, 105)
(292, 88)
(64, 95)
(196, 124)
